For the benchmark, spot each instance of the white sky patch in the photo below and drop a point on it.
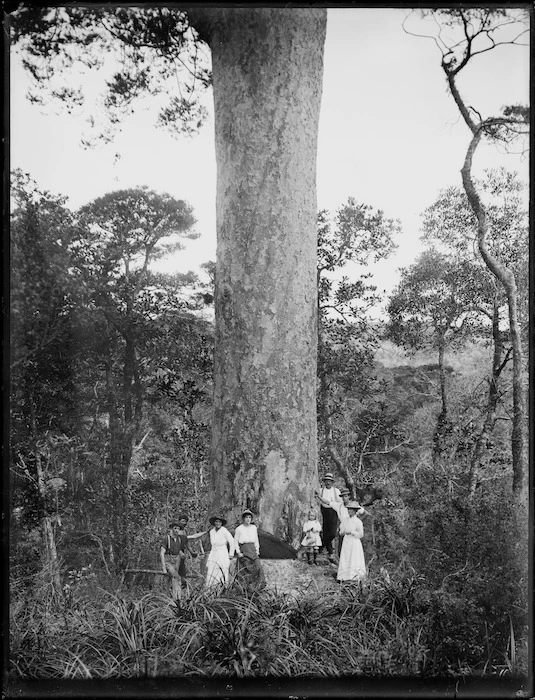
(390, 136)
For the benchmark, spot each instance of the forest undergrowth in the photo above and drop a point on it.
(393, 624)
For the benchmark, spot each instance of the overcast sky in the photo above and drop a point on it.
(390, 134)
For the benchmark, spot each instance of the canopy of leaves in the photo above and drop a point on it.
(436, 300)
(450, 223)
(450, 219)
(357, 237)
(41, 304)
(144, 50)
(121, 233)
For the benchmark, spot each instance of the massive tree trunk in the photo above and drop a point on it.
(267, 79)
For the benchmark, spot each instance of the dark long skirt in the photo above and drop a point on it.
(330, 528)
(249, 567)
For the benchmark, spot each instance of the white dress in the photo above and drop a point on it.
(218, 561)
(351, 566)
(311, 530)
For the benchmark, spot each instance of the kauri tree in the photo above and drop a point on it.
(267, 68)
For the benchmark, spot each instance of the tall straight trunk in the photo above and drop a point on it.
(267, 77)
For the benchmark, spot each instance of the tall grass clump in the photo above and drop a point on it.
(392, 624)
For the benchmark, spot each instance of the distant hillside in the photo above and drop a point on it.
(474, 355)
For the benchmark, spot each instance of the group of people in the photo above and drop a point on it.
(339, 516)
(244, 545)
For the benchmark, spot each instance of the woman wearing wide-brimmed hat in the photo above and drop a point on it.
(249, 567)
(352, 566)
(223, 547)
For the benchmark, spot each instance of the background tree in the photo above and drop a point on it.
(471, 32)
(42, 388)
(264, 427)
(122, 233)
(435, 306)
(347, 335)
(101, 449)
(450, 222)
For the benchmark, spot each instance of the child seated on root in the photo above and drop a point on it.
(311, 540)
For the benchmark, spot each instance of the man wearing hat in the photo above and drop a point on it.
(173, 554)
(248, 551)
(329, 494)
(341, 510)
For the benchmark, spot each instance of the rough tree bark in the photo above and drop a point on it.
(267, 80)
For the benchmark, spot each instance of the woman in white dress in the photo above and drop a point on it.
(352, 566)
(223, 547)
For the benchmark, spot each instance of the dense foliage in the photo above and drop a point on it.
(111, 371)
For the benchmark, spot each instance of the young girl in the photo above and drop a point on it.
(311, 540)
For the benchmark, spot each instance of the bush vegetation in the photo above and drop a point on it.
(393, 624)
(110, 425)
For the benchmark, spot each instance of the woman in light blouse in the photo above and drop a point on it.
(248, 551)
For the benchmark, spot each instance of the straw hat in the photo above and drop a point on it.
(353, 505)
(217, 517)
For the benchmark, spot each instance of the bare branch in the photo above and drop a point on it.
(388, 450)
